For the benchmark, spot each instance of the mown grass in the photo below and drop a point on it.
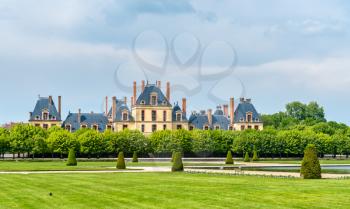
(169, 190)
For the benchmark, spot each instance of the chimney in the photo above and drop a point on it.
(142, 85)
(125, 101)
(114, 107)
(210, 117)
(131, 101)
(50, 100)
(225, 108)
(184, 106)
(232, 110)
(59, 105)
(159, 84)
(168, 91)
(79, 116)
(106, 113)
(134, 92)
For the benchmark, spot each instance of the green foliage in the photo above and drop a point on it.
(4, 141)
(173, 156)
(121, 161)
(229, 159)
(246, 157)
(177, 164)
(61, 141)
(255, 155)
(92, 143)
(134, 158)
(310, 166)
(72, 161)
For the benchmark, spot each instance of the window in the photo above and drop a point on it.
(256, 127)
(125, 116)
(249, 127)
(125, 126)
(37, 125)
(179, 127)
(154, 127)
(164, 116)
(178, 116)
(45, 126)
(142, 102)
(231, 128)
(53, 125)
(45, 115)
(242, 127)
(83, 126)
(153, 100)
(142, 115)
(154, 115)
(217, 127)
(249, 117)
(191, 128)
(37, 117)
(109, 127)
(53, 118)
(164, 127)
(206, 127)
(68, 127)
(95, 127)
(142, 128)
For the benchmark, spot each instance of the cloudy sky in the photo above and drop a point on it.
(274, 52)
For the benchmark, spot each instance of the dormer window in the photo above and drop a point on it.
(206, 127)
(95, 127)
(68, 127)
(83, 126)
(249, 117)
(142, 102)
(125, 116)
(217, 127)
(178, 116)
(37, 117)
(45, 115)
(153, 99)
(53, 118)
(164, 102)
(241, 119)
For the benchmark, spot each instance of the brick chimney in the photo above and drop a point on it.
(232, 110)
(59, 105)
(225, 109)
(184, 109)
(106, 113)
(210, 117)
(142, 85)
(168, 91)
(79, 116)
(114, 107)
(159, 84)
(131, 101)
(134, 92)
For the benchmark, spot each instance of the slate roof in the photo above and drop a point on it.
(199, 120)
(243, 107)
(42, 104)
(146, 96)
(88, 119)
(121, 106)
(175, 109)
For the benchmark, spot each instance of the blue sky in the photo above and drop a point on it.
(283, 51)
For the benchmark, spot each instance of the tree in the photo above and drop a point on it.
(246, 157)
(92, 143)
(40, 146)
(177, 164)
(61, 141)
(134, 158)
(310, 166)
(229, 159)
(173, 156)
(72, 161)
(121, 161)
(296, 110)
(4, 142)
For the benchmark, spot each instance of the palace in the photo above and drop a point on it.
(149, 111)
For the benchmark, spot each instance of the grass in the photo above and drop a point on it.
(169, 190)
(334, 171)
(322, 161)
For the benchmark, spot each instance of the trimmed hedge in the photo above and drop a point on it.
(177, 164)
(134, 158)
(246, 157)
(310, 166)
(229, 159)
(121, 161)
(72, 161)
(255, 156)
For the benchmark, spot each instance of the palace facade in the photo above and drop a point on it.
(149, 110)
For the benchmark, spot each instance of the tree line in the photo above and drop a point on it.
(286, 134)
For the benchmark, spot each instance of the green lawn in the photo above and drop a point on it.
(328, 161)
(169, 190)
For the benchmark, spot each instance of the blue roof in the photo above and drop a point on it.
(199, 120)
(43, 104)
(244, 107)
(177, 108)
(88, 119)
(121, 107)
(145, 96)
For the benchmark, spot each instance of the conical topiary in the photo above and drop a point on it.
(134, 158)
(310, 166)
(255, 156)
(229, 159)
(72, 161)
(177, 164)
(246, 157)
(121, 161)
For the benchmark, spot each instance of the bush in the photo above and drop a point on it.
(229, 159)
(255, 156)
(310, 166)
(246, 157)
(121, 161)
(177, 164)
(72, 161)
(134, 158)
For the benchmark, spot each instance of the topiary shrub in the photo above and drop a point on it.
(134, 158)
(229, 159)
(255, 156)
(72, 161)
(246, 157)
(177, 164)
(121, 161)
(310, 166)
